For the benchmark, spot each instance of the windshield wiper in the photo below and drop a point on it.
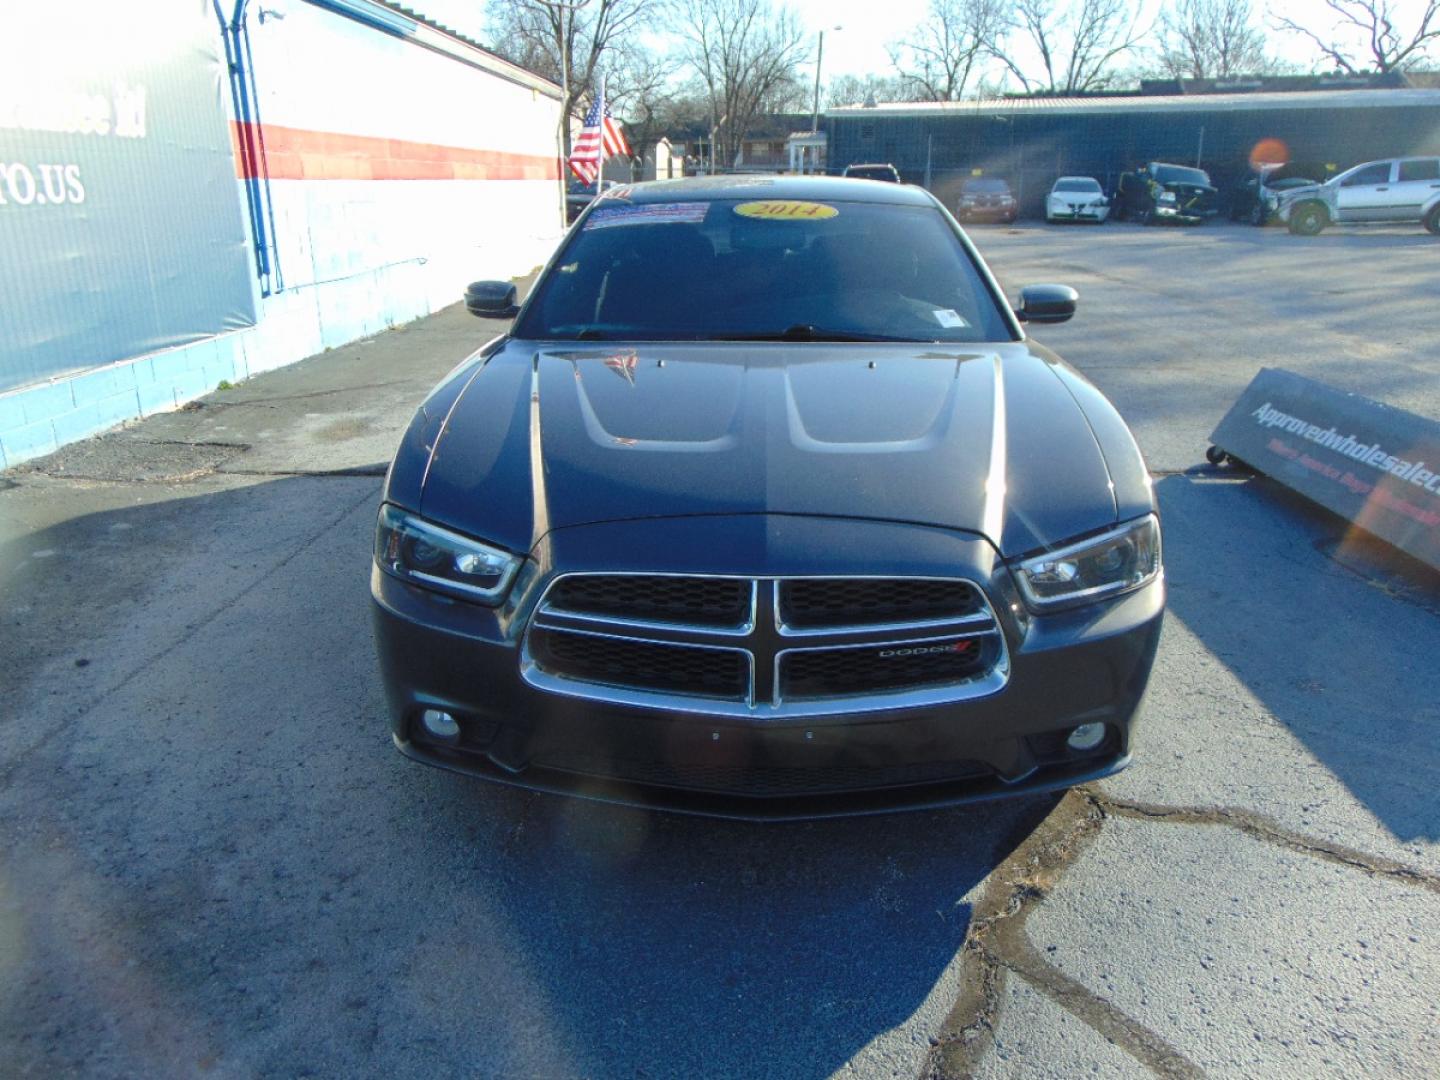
(809, 332)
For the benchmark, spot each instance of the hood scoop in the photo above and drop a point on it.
(837, 431)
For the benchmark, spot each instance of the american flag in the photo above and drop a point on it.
(600, 138)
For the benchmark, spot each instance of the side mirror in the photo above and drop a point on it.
(1047, 303)
(491, 299)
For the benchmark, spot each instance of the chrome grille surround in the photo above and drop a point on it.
(766, 641)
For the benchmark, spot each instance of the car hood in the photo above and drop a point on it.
(986, 439)
(1299, 191)
(1188, 190)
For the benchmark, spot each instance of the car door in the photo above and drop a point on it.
(1366, 194)
(1417, 181)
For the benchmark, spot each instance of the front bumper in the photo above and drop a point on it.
(1066, 669)
(1181, 214)
(1083, 213)
(993, 214)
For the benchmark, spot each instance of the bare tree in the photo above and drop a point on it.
(640, 92)
(1075, 42)
(854, 90)
(1373, 22)
(937, 58)
(746, 55)
(1211, 39)
(586, 35)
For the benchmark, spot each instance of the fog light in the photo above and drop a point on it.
(444, 726)
(1086, 737)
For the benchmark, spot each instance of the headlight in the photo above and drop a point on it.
(423, 554)
(1166, 197)
(1093, 569)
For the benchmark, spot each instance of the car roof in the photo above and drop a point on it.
(1090, 178)
(835, 188)
(1393, 160)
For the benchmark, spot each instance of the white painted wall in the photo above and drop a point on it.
(322, 72)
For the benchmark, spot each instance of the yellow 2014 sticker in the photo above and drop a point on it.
(786, 210)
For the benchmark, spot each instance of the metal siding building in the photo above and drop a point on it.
(1031, 141)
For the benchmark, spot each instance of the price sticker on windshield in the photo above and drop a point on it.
(786, 210)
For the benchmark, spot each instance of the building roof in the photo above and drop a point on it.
(1305, 99)
(405, 22)
(767, 127)
(776, 125)
(1339, 80)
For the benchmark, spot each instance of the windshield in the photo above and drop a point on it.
(1091, 186)
(985, 187)
(1177, 174)
(725, 269)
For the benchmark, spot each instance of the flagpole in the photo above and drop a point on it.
(564, 104)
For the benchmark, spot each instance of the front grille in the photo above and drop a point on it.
(643, 665)
(760, 779)
(831, 673)
(811, 603)
(757, 648)
(697, 601)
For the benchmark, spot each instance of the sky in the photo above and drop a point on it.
(859, 48)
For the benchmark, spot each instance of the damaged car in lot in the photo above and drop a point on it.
(1377, 192)
(766, 506)
(1257, 198)
(1158, 192)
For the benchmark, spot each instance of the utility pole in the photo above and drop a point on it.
(819, 56)
(563, 127)
(718, 124)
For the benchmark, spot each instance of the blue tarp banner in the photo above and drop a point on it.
(121, 223)
(1376, 465)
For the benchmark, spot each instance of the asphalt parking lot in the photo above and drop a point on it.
(214, 863)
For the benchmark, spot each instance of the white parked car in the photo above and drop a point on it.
(1400, 189)
(1077, 198)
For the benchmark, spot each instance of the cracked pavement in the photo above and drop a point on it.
(212, 861)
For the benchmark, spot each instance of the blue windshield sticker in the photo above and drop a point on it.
(606, 217)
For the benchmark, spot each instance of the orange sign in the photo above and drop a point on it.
(1269, 152)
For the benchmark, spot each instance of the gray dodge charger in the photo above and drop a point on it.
(766, 507)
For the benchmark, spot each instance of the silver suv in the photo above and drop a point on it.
(1401, 189)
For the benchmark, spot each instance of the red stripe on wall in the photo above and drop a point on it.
(297, 154)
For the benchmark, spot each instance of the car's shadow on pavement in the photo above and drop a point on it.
(1306, 620)
(658, 945)
(213, 857)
